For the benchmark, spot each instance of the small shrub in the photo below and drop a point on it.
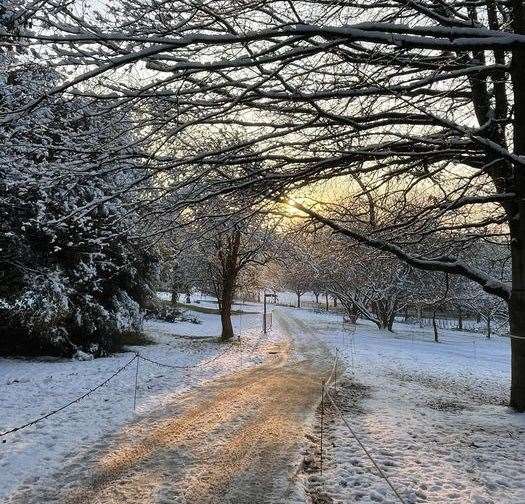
(170, 313)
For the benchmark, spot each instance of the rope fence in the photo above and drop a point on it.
(136, 358)
(70, 403)
(188, 366)
(498, 326)
(325, 392)
(330, 382)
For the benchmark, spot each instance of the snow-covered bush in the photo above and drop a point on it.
(169, 313)
(71, 276)
(42, 307)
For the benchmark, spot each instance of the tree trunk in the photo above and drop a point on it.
(229, 277)
(391, 320)
(226, 310)
(434, 325)
(489, 329)
(517, 331)
(227, 327)
(460, 319)
(351, 310)
(326, 299)
(335, 302)
(298, 299)
(316, 294)
(188, 298)
(516, 216)
(354, 313)
(175, 287)
(385, 314)
(228, 254)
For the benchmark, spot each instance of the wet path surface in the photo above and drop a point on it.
(233, 440)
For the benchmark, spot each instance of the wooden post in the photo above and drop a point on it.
(335, 367)
(322, 419)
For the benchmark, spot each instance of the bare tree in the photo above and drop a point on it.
(413, 97)
(225, 250)
(296, 270)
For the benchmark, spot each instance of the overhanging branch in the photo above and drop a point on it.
(443, 263)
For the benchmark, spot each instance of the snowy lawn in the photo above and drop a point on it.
(31, 388)
(433, 415)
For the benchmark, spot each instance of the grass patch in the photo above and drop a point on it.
(136, 339)
(214, 311)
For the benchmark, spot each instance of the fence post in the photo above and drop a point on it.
(322, 421)
(352, 350)
(136, 383)
(335, 367)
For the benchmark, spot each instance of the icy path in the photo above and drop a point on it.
(236, 439)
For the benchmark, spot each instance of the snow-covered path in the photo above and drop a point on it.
(432, 415)
(35, 387)
(237, 439)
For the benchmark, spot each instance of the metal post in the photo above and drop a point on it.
(240, 320)
(136, 384)
(264, 314)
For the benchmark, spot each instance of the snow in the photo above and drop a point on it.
(290, 298)
(433, 415)
(31, 388)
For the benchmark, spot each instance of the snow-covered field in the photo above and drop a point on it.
(290, 298)
(433, 415)
(30, 389)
